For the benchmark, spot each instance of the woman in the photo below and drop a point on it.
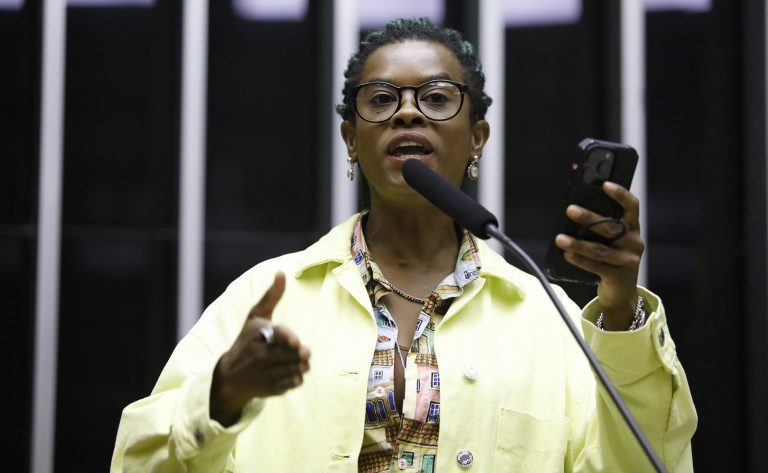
(429, 352)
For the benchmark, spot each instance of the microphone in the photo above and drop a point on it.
(469, 214)
(446, 197)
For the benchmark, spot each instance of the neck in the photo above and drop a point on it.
(422, 236)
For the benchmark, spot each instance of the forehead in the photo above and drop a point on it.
(411, 63)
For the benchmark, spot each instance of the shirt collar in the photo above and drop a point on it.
(466, 269)
(334, 247)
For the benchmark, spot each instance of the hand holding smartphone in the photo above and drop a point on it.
(596, 162)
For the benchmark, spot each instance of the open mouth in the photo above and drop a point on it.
(403, 148)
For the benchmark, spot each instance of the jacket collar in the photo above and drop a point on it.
(334, 247)
(494, 265)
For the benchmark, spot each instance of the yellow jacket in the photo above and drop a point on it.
(532, 406)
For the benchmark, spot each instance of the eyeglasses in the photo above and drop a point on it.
(438, 100)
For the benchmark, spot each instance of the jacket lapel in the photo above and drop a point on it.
(348, 277)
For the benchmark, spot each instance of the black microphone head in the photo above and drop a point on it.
(445, 196)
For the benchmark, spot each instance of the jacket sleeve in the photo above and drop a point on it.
(643, 366)
(171, 430)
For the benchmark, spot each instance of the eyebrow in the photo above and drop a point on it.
(425, 79)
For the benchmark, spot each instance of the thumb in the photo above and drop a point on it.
(269, 300)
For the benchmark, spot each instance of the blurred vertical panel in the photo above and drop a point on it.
(632, 105)
(194, 85)
(346, 30)
(462, 15)
(267, 148)
(754, 41)
(19, 91)
(119, 221)
(491, 43)
(17, 283)
(696, 164)
(19, 127)
(561, 86)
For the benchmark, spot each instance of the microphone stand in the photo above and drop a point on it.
(493, 230)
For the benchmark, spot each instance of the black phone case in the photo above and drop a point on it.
(588, 172)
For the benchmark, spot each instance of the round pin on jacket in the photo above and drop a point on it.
(464, 457)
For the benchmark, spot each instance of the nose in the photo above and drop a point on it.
(408, 114)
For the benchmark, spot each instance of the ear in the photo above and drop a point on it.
(349, 135)
(480, 131)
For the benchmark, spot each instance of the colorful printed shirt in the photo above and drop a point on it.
(408, 443)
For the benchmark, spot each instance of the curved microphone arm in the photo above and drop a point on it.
(498, 235)
(479, 221)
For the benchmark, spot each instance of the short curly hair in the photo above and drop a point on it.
(419, 29)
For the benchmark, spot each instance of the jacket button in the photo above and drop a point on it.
(470, 372)
(464, 457)
(402, 463)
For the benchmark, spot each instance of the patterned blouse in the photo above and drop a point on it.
(407, 443)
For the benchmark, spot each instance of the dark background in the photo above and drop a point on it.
(267, 190)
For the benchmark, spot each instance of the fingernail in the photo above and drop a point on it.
(563, 241)
(611, 186)
(574, 211)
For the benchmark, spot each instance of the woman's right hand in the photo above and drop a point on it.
(254, 368)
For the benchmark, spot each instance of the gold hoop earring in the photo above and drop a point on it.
(472, 171)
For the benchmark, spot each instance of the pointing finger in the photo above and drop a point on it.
(263, 309)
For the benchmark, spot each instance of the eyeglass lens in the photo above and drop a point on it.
(437, 100)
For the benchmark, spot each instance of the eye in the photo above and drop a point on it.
(438, 95)
(435, 97)
(381, 98)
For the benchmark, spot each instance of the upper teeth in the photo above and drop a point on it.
(409, 143)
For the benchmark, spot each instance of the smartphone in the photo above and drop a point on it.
(596, 162)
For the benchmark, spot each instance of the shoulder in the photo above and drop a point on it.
(495, 267)
(333, 247)
(227, 312)
(500, 272)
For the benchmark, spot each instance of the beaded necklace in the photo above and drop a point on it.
(407, 296)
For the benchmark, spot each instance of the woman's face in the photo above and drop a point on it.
(381, 148)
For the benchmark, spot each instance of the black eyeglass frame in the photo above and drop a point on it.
(463, 89)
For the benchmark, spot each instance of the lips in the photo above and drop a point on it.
(409, 145)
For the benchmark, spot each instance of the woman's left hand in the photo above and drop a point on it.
(617, 264)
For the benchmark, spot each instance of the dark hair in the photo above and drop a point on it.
(420, 29)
